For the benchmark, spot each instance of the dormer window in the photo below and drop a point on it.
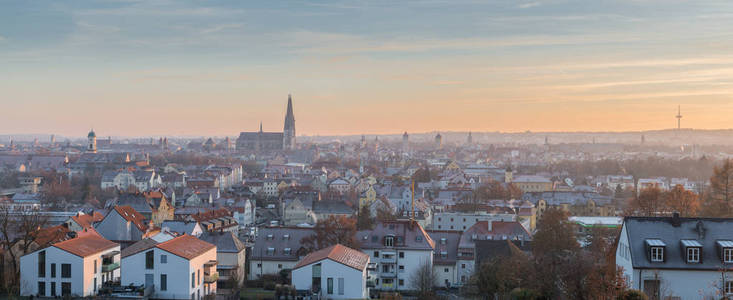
(692, 250)
(389, 241)
(655, 248)
(270, 251)
(442, 241)
(418, 238)
(286, 237)
(269, 236)
(287, 251)
(725, 250)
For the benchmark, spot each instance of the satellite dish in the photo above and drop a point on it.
(569, 181)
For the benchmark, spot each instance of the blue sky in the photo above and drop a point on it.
(217, 67)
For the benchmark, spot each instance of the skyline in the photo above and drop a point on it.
(215, 68)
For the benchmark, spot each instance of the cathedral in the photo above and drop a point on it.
(270, 141)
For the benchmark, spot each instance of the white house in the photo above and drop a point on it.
(677, 258)
(76, 267)
(275, 249)
(181, 268)
(398, 249)
(117, 179)
(337, 272)
(230, 257)
(123, 224)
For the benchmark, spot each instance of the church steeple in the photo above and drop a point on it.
(260, 126)
(289, 128)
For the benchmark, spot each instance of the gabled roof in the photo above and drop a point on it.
(338, 253)
(130, 214)
(86, 220)
(138, 247)
(86, 245)
(186, 246)
(224, 241)
(50, 235)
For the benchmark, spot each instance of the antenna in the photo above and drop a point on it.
(679, 117)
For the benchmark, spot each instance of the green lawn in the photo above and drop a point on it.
(256, 293)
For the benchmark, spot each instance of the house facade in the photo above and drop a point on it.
(180, 268)
(677, 258)
(76, 267)
(336, 272)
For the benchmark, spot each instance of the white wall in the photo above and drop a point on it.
(441, 275)
(623, 257)
(685, 284)
(411, 262)
(115, 228)
(268, 267)
(82, 272)
(177, 269)
(354, 280)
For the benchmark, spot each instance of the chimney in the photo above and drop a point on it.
(676, 219)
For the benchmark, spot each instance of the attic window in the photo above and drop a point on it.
(418, 238)
(657, 254)
(443, 254)
(442, 241)
(474, 237)
(269, 236)
(287, 251)
(286, 237)
(270, 251)
(726, 250)
(693, 255)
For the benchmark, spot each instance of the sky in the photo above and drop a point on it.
(163, 67)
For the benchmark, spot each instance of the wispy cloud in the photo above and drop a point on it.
(529, 5)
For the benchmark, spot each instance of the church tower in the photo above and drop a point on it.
(405, 143)
(289, 129)
(92, 137)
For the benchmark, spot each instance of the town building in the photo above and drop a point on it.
(75, 267)
(275, 249)
(270, 141)
(336, 272)
(181, 268)
(677, 258)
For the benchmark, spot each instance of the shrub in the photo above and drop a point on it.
(269, 285)
(633, 295)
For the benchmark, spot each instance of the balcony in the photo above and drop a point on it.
(392, 259)
(388, 274)
(110, 267)
(211, 277)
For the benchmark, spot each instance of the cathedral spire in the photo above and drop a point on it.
(289, 128)
(260, 126)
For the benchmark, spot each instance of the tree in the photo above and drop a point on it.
(18, 234)
(501, 275)
(554, 250)
(422, 175)
(331, 231)
(365, 220)
(423, 280)
(680, 200)
(717, 203)
(649, 202)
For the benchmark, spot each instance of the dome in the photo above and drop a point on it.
(92, 134)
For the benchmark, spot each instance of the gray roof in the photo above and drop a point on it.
(224, 241)
(570, 198)
(674, 234)
(446, 242)
(280, 238)
(407, 236)
(180, 227)
(332, 207)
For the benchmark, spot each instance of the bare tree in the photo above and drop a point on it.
(18, 236)
(423, 280)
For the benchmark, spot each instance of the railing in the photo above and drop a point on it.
(389, 260)
(110, 267)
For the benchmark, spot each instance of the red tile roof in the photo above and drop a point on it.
(212, 214)
(49, 235)
(86, 245)
(85, 220)
(338, 253)
(130, 214)
(186, 246)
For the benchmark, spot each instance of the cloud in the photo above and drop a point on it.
(221, 27)
(529, 5)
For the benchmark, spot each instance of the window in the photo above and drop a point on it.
(65, 286)
(65, 272)
(729, 287)
(149, 259)
(728, 255)
(163, 282)
(42, 264)
(259, 265)
(440, 219)
(389, 241)
(376, 254)
(402, 268)
(329, 286)
(193, 279)
(198, 276)
(95, 284)
(402, 282)
(657, 254)
(693, 255)
(279, 266)
(163, 259)
(287, 251)
(95, 266)
(53, 289)
(53, 270)
(463, 266)
(341, 286)
(463, 278)
(375, 238)
(402, 254)
(41, 288)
